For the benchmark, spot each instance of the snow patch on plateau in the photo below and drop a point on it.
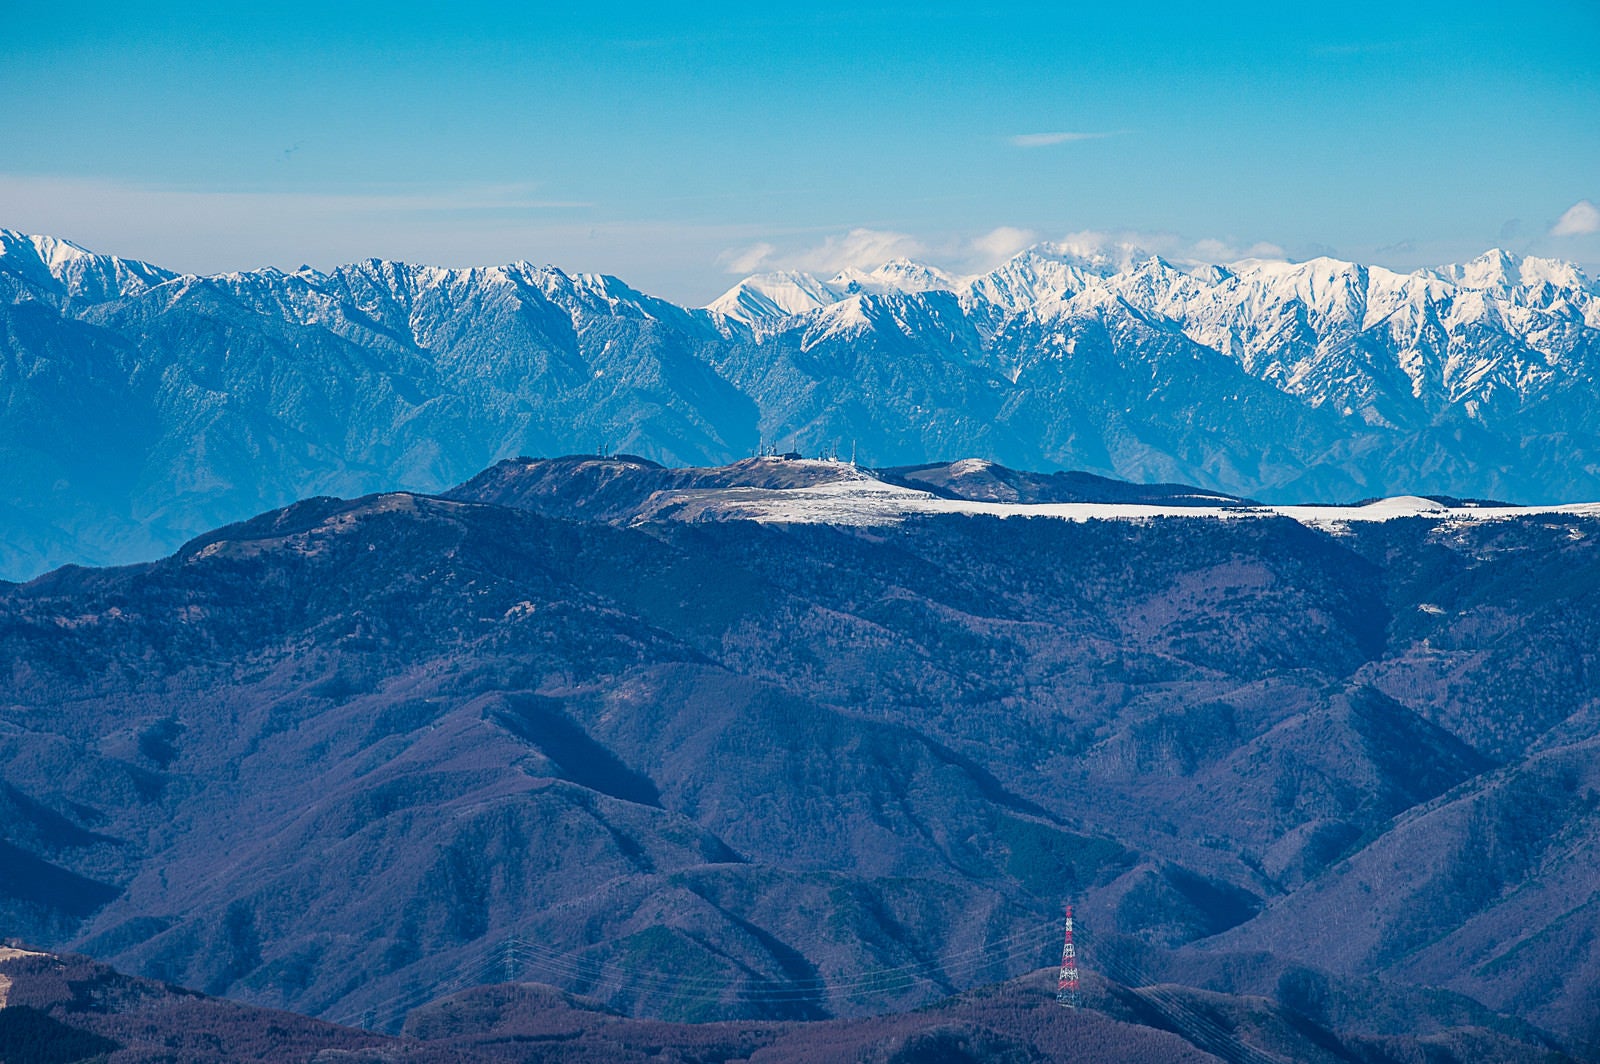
(856, 499)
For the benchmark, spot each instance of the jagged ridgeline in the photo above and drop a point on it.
(567, 724)
(139, 407)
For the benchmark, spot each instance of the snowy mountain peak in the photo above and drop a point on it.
(1502, 273)
(767, 298)
(1493, 271)
(762, 301)
(1255, 310)
(1101, 258)
(57, 268)
(1033, 278)
(896, 275)
(53, 251)
(1558, 273)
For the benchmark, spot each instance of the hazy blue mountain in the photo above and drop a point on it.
(139, 407)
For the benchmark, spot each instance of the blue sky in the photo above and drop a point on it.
(676, 148)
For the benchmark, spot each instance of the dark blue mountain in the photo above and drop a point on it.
(342, 757)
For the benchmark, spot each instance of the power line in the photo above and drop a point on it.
(1185, 1019)
(492, 959)
(503, 960)
(1001, 950)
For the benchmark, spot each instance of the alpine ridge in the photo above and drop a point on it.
(139, 406)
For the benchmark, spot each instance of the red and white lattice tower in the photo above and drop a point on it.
(1067, 989)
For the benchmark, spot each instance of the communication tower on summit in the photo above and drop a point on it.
(1067, 987)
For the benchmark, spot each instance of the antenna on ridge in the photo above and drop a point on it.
(1067, 986)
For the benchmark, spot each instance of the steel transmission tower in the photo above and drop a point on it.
(509, 956)
(1067, 988)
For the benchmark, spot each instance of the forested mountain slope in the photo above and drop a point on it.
(338, 755)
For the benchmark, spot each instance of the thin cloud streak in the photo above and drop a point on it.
(861, 247)
(26, 190)
(209, 231)
(206, 231)
(1046, 140)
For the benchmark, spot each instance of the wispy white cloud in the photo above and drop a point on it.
(998, 245)
(867, 249)
(1128, 246)
(1211, 250)
(1580, 219)
(178, 206)
(861, 248)
(970, 255)
(747, 260)
(1045, 140)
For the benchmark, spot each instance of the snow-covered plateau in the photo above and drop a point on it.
(843, 494)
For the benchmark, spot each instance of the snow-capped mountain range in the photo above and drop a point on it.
(139, 406)
(1326, 330)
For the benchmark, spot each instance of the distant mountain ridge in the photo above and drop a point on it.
(139, 406)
